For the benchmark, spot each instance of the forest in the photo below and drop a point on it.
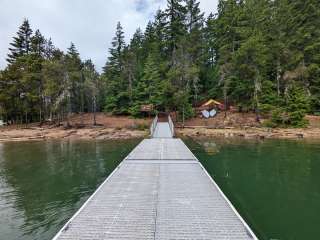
(261, 56)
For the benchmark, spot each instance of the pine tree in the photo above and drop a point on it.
(92, 85)
(56, 87)
(21, 44)
(195, 43)
(176, 28)
(150, 88)
(38, 44)
(250, 59)
(227, 42)
(160, 33)
(209, 70)
(49, 49)
(74, 76)
(114, 64)
(117, 96)
(37, 53)
(137, 57)
(194, 16)
(305, 44)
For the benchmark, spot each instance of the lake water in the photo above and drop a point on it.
(42, 184)
(274, 184)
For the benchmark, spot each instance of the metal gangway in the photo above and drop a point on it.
(162, 129)
(160, 191)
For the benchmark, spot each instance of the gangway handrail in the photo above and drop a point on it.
(153, 125)
(171, 125)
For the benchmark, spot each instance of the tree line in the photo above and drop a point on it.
(42, 82)
(256, 55)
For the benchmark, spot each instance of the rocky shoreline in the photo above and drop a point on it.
(251, 133)
(100, 133)
(97, 133)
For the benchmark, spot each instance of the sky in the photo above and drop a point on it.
(89, 24)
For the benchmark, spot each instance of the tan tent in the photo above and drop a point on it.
(210, 102)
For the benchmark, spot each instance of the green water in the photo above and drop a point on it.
(274, 184)
(42, 184)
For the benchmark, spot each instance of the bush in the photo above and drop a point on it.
(266, 108)
(293, 110)
(281, 118)
(297, 119)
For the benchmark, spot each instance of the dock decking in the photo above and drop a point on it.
(160, 191)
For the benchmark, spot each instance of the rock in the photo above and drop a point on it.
(299, 135)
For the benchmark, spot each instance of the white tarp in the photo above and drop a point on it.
(205, 113)
(213, 112)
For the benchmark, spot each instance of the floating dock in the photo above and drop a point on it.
(160, 191)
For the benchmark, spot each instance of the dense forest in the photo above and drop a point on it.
(256, 55)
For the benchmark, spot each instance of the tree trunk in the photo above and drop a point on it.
(26, 118)
(278, 77)
(257, 88)
(68, 112)
(40, 116)
(183, 116)
(225, 101)
(94, 111)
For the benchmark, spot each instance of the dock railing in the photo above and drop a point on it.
(171, 125)
(153, 125)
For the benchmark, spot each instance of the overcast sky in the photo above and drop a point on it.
(90, 24)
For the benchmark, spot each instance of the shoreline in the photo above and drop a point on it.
(88, 133)
(117, 133)
(250, 132)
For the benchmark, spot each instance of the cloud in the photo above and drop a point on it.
(89, 24)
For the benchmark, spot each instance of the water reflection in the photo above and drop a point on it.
(43, 183)
(209, 146)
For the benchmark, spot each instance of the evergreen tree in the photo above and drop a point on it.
(136, 58)
(195, 44)
(21, 44)
(56, 87)
(117, 97)
(93, 88)
(114, 63)
(227, 42)
(209, 70)
(175, 28)
(37, 52)
(74, 76)
(49, 49)
(41, 82)
(160, 23)
(257, 55)
(150, 88)
(304, 43)
(38, 44)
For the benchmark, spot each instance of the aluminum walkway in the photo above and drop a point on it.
(160, 191)
(162, 130)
